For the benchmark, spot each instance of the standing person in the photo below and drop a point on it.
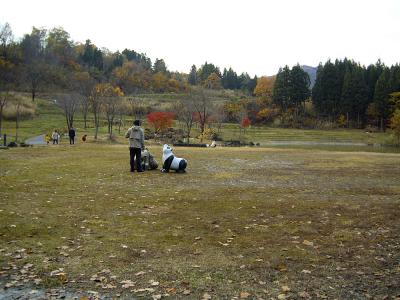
(136, 145)
(71, 134)
(55, 137)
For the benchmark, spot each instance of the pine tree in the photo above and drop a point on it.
(381, 96)
(354, 95)
(282, 89)
(300, 86)
(193, 75)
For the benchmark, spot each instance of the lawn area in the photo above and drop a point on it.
(50, 116)
(253, 223)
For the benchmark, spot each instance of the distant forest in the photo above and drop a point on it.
(345, 93)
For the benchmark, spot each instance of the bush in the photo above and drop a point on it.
(208, 134)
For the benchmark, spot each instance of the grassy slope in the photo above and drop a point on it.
(323, 223)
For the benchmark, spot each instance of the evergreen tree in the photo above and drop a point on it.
(159, 66)
(252, 85)
(206, 70)
(354, 94)
(327, 90)
(193, 76)
(381, 97)
(371, 76)
(230, 79)
(299, 86)
(282, 89)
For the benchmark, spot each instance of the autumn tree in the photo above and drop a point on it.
(265, 87)
(395, 124)
(160, 120)
(245, 124)
(213, 82)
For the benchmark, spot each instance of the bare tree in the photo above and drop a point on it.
(203, 106)
(104, 97)
(6, 37)
(95, 101)
(121, 111)
(219, 117)
(4, 98)
(69, 103)
(110, 106)
(186, 114)
(84, 84)
(18, 106)
(136, 107)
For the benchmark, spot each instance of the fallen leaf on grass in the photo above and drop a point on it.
(186, 292)
(304, 294)
(154, 283)
(308, 243)
(156, 297)
(140, 273)
(126, 284)
(285, 288)
(150, 290)
(171, 290)
(244, 295)
(281, 296)
(206, 296)
(306, 271)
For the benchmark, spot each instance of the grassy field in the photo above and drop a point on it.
(253, 223)
(50, 117)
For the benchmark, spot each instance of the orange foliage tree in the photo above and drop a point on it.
(265, 87)
(160, 120)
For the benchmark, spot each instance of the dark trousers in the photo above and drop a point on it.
(72, 140)
(138, 153)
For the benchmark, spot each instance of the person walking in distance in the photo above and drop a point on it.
(71, 134)
(136, 145)
(55, 137)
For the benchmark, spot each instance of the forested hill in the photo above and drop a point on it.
(312, 73)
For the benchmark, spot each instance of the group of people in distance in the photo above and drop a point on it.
(140, 157)
(55, 137)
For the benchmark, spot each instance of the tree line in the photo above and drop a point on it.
(90, 78)
(360, 95)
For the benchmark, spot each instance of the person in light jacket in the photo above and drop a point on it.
(136, 145)
(55, 137)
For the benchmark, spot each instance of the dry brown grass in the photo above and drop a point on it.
(325, 224)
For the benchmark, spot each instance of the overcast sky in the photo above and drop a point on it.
(253, 36)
